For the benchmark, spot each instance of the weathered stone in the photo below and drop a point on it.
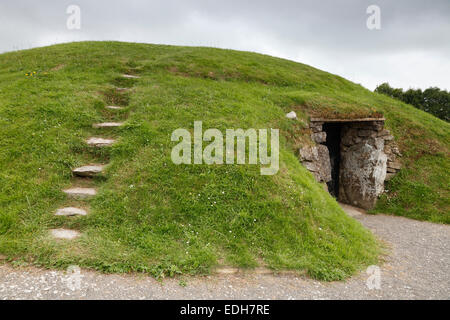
(291, 115)
(378, 143)
(64, 234)
(362, 174)
(100, 142)
(130, 76)
(308, 153)
(348, 137)
(319, 137)
(378, 125)
(88, 171)
(80, 192)
(316, 175)
(317, 160)
(107, 125)
(384, 133)
(114, 107)
(396, 151)
(316, 126)
(388, 137)
(70, 211)
(366, 133)
(394, 164)
(391, 170)
(324, 163)
(311, 166)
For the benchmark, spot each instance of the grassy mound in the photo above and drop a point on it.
(160, 218)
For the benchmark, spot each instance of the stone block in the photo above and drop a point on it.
(366, 133)
(308, 153)
(394, 164)
(319, 137)
(316, 126)
(291, 115)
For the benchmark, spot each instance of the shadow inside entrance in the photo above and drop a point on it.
(333, 143)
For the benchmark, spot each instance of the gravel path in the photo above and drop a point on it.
(417, 268)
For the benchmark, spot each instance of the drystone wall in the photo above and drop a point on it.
(368, 157)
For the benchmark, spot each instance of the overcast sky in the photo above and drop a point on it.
(412, 48)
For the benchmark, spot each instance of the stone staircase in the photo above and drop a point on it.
(87, 172)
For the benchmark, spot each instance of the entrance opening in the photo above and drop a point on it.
(333, 143)
(352, 156)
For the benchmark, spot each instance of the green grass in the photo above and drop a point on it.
(155, 217)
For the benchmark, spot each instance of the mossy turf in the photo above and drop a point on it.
(156, 217)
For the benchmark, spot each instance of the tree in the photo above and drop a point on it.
(432, 100)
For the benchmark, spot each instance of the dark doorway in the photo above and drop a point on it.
(333, 143)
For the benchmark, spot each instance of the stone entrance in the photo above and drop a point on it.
(353, 157)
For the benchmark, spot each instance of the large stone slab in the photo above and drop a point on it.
(308, 153)
(70, 211)
(80, 193)
(64, 234)
(88, 171)
(317, 160)
(100, 142)
(107, 125)
(362, 173)
(324, 162)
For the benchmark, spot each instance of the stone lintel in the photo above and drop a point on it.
(346, 120)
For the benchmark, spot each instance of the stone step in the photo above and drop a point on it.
(70, 211)
(107, 125)
(80, 192)
(100, 142)
(65, 234)
(114, 107)
(130, 76)
(88, 171)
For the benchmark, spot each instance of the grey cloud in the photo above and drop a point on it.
(411, 49)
